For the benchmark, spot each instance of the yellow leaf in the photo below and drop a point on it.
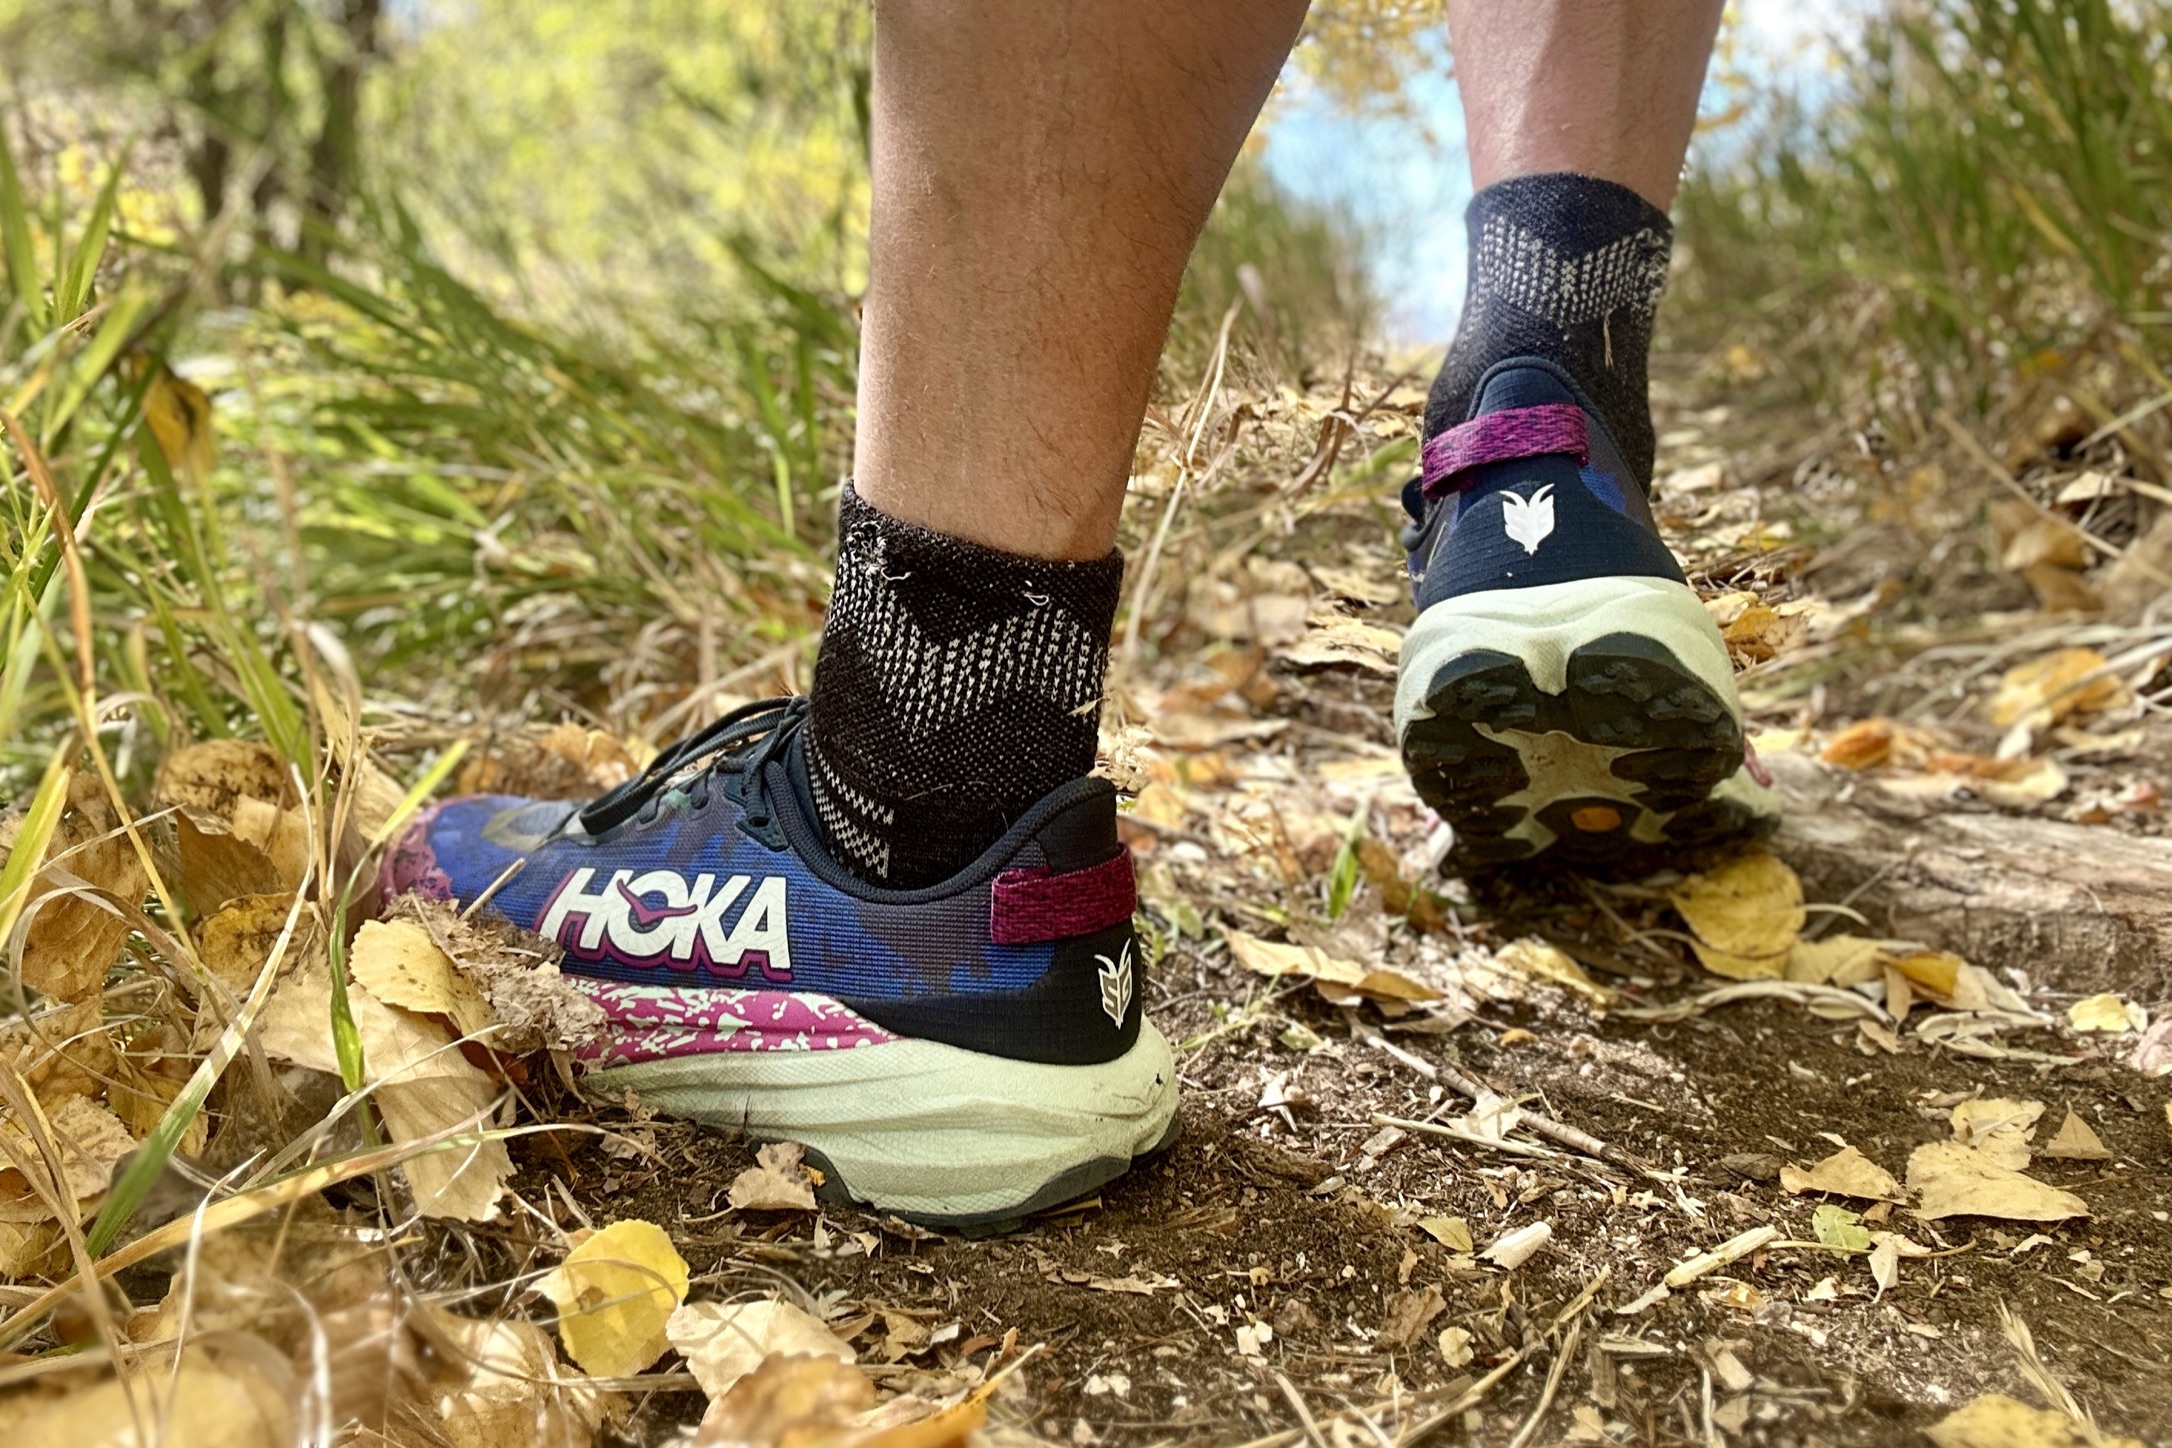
(400, 964)
(615, 1294)
(1997, 1421)
(1278, 958)
(73, 940)
(2044, 691)
(2106, 1012)
(1835, 960)
(1936, 971)
(89, 1139)
(514, 1392)
(1549, 963)
(1746, 915)
(179, 413)
(236, 940)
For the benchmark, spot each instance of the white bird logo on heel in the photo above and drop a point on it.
(1529, 521)
(1116, 985)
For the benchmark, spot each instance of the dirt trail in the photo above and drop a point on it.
(1294, 1271)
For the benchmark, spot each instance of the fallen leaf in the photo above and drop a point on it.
(236, 939)
(779, 1182)
(424, 1086)
(73, 940)
(1885, 1262)
(1868, 743)
(513, 1390)
(615, 1293)
(1746, 914)
(2106, 1012)
(2074, 1141)
(1344, 642)
(228, 1399)
(566, 762)
(1551, 965)
(1937, 972)
(1516, 1248)
(1998, 1128)
(1835, 960)
(90, 1141)
(1997, 1421)
(1410, 1313)
(1839, 1227)
(397, 962)
(1954, 1180)
(1276, 959)
(1451, 1232)
(1848, 1173)
(1455, 1346)
(2047, 690)
(1761, 632)
(787, 1402)
(723, 1342)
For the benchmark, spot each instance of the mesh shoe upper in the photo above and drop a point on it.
(708, 874)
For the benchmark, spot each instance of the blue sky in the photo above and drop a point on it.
(1403, 183)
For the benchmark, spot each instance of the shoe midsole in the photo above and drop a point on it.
(920, 1128)
(1544, 625)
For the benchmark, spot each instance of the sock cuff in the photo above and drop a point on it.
(1585, 208)
(1568, 249)
(926, 569)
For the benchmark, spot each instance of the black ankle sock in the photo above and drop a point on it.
(1568, 268)
(956, 685)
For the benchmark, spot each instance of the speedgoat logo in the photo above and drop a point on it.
(657, 918)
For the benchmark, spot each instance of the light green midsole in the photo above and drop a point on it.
(1543, 626)
(920, 1128)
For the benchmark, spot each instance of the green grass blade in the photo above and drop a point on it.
(16, 249)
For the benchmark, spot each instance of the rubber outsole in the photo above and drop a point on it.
(938, 1136)
(1634, 754)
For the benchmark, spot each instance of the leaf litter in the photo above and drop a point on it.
(1268, 780)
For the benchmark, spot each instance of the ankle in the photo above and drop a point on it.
(956, 685)
(1567, 268)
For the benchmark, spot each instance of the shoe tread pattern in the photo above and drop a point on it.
(1624, 691)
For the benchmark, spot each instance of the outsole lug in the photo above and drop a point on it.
(1673, 739)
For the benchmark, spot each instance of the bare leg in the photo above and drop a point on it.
(1598, 87)
(1041, 173)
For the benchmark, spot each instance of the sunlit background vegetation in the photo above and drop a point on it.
(503, 352)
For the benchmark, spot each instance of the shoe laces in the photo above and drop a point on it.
(736, 750)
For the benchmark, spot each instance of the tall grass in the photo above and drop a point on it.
(1984, 198)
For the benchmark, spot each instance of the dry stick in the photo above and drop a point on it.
(1560, 1131)
(1471, 1397)
(1983, 459)
(1304, 1414)
(1554, 1375)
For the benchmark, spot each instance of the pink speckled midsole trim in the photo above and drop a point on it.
(655, 1023)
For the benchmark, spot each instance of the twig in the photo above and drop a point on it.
(1471, 1397)
(1554, 1375)
(1456, 1133)
(1304, 1414)
(1574, 1138)
(1991, 465)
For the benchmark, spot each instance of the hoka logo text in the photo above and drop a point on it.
(657, 918)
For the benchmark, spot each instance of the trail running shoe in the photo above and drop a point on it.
(960, 1055)
(1563, 692)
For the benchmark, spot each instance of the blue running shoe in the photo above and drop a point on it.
(960, 1055)
(1563, 693)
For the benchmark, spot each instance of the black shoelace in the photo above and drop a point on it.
(738, 748)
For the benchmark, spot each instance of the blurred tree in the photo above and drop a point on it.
(263, 98)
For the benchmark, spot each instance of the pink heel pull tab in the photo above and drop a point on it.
(1514, 432)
